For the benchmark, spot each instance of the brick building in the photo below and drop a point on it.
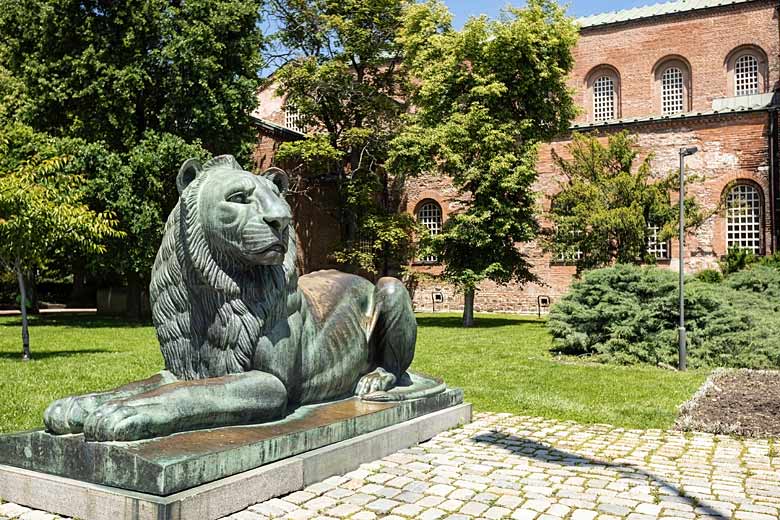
(688, 73)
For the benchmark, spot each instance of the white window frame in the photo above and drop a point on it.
(293, 119)
(747, 76)
(430, 215)
(569, 256)
(672, 90)
(658, 248)
(744, 217)
(604, 92)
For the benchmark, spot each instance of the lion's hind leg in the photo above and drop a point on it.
(393, 338)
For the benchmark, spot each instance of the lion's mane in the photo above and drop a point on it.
(210, 312)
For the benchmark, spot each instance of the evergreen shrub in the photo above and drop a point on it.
(628, 314)
(709, 276)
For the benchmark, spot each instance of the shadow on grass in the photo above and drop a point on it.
(39, 356)
(480, 322)
(549, 455)
(83, 321)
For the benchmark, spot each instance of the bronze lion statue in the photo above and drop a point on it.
(245, 340)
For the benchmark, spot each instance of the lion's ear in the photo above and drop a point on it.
(278, 177)
(187, 173)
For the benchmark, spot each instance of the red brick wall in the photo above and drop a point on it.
(704, 40)
(733, 147)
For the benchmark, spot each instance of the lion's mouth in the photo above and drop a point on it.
(276, 247)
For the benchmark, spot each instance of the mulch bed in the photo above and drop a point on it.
(739, 402)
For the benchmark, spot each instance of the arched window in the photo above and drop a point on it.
(747, 70)
(743, 218)
(429, 215)
(604, 99)
(602, 93)
(672, 91)
(746, 78)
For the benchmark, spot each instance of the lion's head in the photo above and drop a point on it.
(225, 268)
(243, 216)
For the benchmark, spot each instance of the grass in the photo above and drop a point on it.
(70, 355)
(503, 364)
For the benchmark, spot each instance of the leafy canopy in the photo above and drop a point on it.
(607, 204)
(485, 97)
(42, 209)
(134, 88)
(342, 75)
(109, 71)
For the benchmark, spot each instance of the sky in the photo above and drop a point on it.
(462, 9)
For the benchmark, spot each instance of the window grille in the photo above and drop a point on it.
(429, 215)
(293, 119)
(743, 218)
(658, 248)
(570, 255)
(362, 244)
(604, 99)
(746, 75)
(672, 91)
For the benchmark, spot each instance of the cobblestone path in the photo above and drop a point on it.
(523, 468)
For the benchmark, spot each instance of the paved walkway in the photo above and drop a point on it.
(522, 468)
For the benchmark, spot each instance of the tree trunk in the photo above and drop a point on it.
(32, 293)
(79, 294)
(134, 296)
(23, 297)
(468, 308)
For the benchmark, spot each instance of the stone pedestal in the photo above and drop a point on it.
(211, 473)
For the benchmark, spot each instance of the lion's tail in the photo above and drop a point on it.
(412, 386)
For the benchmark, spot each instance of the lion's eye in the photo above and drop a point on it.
(239, 197)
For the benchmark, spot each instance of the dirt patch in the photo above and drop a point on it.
(740, 402)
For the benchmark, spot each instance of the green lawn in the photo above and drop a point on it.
(503, 364)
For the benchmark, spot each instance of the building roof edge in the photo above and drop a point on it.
(690, 116)
(277, 129)
(654, 10)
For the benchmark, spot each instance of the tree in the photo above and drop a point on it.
(143, 84)
(486, 96)
(607, 205)
(342, 76)
(40, 211)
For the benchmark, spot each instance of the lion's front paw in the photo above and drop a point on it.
(124, 420)
(377, 381)
(68, 415)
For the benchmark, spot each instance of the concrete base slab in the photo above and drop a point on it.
(225, 496)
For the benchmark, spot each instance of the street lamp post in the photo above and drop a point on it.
(681, 351)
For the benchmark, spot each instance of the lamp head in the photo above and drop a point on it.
(688, 151)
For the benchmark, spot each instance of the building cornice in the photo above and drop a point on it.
(276, 130)
(712, 115)
(657, 13)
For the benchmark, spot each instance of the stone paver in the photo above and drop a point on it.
(509, 467)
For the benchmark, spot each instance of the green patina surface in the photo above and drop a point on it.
(166, 465)
(245, 339)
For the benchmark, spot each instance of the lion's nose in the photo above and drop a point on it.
(279, 224)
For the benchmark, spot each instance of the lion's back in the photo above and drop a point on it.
(342, 307)
(326, 290)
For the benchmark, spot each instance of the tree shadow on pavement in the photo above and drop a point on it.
(550, 455)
